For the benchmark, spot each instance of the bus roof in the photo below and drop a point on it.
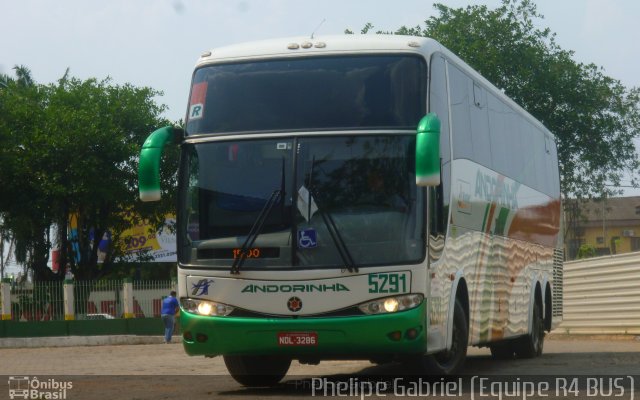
(336, 44)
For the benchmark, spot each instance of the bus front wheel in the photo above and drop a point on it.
(450, 361)
(257, 371)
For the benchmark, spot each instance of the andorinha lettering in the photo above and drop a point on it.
(304, 288)
(495, 190)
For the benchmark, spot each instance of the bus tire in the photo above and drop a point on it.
(531, 345)
(449, 362)
(257, 371)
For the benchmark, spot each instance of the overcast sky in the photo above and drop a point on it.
(156, 42)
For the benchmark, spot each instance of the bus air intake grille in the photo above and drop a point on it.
(345, 312)
(558, 260)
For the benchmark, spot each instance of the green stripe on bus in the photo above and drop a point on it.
(501, 221)
(484, 219)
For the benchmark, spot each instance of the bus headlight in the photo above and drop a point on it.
(205, 307)
(391, 304)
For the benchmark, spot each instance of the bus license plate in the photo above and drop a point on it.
(297, 339)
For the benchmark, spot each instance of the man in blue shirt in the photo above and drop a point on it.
(170, 307)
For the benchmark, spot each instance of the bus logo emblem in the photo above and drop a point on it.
(196, 111)
(201, 288)
(294, 304)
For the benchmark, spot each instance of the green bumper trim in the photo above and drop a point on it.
(358, 337)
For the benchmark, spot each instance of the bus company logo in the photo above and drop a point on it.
(495, 190)
(23, 387)
(201, 288)
(302, 288)
(294, 304)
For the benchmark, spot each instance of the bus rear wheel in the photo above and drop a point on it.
(531, 345)
(257, 371)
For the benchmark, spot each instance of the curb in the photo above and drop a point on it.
(70, 341)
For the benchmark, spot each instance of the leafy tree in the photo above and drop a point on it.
(71, 148)
(6, 247)
(594, 117)
(25, 215)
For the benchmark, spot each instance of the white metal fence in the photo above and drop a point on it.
(98, 299)
(602, 295)
(37, 302)
(148, 295)
(44, 301)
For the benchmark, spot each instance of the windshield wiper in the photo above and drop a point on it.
(255, 230)
(333, 230)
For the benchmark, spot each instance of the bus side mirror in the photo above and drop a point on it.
(149, 166)
(428, 151)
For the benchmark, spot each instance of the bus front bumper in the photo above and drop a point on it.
(357, 337)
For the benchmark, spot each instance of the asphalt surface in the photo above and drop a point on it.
(162, 371)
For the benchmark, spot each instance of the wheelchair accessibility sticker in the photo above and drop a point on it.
(307, 238)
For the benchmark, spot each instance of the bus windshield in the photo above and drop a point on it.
(349, 192)
(312, 93)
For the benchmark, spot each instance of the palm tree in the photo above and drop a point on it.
(23, 75)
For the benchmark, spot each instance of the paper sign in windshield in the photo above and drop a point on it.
(306, 204)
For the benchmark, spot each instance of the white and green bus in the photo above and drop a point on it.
(359, 197)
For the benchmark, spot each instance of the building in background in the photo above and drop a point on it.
(608, 226)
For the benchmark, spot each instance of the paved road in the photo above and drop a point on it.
(162, 371)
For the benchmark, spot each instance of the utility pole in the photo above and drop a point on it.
(604, 222)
